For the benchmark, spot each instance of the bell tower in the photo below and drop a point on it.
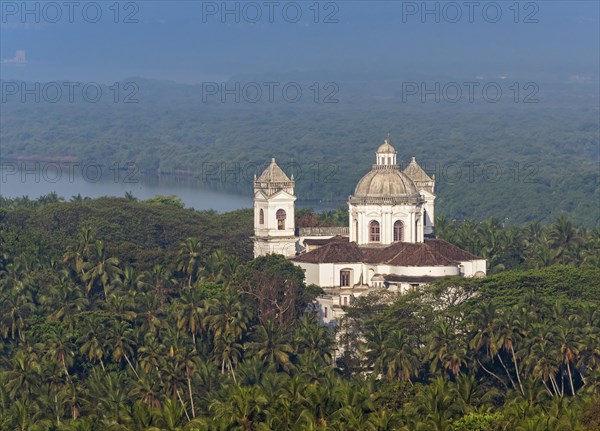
(274, 224)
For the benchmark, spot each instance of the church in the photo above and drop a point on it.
(389, 244)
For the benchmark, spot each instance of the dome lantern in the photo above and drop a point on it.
(385, 155)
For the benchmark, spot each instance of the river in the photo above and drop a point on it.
(95, 181)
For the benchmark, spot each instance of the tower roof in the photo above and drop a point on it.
(273, 173)
(416, 172)
(418, 175)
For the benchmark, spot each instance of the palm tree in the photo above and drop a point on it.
(146, 390)
(569, 347)
(190, 313)
(139, 416)
(509, 333)
(312, 337)
(149, 312)
(227, 352)
(15, 309)
(25, 417)
(444, 349)
(353, 404)
(544, 364)
(121, 306)
(152, 354)
(76, 256)
(242, 410)
(122, 340)
(484, 334)
(269, 344)
(228, 316)
(22, 380)
(130, 197)
(539, 254)
(188, 258)
(434, 403)
(78, 198)
(398, 360)
(563, 235)
(158, 280)
(64, 297)
(169, 416)
(469, 393)
(106, 396)
(93, 345)
(60, 348)
(54, 396)
(101, 268)
(130, 280)
(188, 361)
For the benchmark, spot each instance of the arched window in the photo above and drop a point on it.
(261, 217)
(398, 231)
(424, 218)
(374, 231)
(345, 277)
(280, 216)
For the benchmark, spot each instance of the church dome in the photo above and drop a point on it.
(386, 183)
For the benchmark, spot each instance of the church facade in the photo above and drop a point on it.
(389, 243)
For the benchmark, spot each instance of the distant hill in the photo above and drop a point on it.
(517, 161)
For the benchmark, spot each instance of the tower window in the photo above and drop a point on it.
(261, 217)
(280, 216)
(398, 231)
(345, 277)
(325, 312)
(374, 231)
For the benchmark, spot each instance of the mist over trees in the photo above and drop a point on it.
(530, 161)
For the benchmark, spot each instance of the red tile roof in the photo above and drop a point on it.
(433, 252)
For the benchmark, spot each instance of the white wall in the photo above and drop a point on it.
(270, 206)
(416, 271)
(386, 215)
(472, 267)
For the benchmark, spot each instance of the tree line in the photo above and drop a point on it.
(202, 339)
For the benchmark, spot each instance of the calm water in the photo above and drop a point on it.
(95, 182)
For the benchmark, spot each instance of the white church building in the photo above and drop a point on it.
(389, 243)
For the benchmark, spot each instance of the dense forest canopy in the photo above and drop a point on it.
(123, 315)
(531, 161)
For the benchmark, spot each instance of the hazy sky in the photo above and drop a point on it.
(198, 41)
